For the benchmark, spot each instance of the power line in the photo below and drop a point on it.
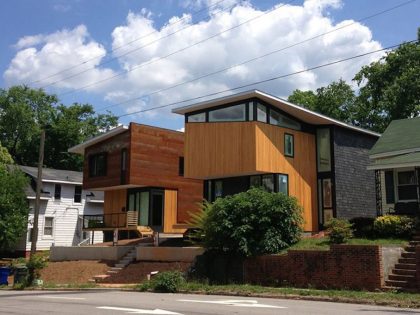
(266, 80)
(259, 57)
(163, 57)
(121, 46)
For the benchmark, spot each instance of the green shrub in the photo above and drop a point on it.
(168, 281)
(363, 227)
(389, 226)
(252, 223)
(339, 231)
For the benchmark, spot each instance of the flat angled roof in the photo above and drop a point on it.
(80, 148)
(297, 111)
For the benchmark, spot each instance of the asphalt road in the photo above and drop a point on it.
(119, 302)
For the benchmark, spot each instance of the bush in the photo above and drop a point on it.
(363, 227)
(339, 231)
(168, 281)
(252, 223)
(389, 226)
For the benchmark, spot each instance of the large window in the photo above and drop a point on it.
(407, 185)
(283, 121)
(323, 150)
(57, 192)
(48, 226)
(231, 113)
(289, 145)
(283, 184)
(97, 165)
(77, 194)
(201, 117)
(268, 182)
(261, 112)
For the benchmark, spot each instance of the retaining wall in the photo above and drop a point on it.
(185, 254)
(63, 253)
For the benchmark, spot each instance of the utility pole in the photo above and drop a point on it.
(38, 194)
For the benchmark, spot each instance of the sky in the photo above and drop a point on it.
(126, 56)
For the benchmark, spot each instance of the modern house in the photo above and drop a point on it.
(396, 160)
(141, 171)
(256, 139)
(63, 204)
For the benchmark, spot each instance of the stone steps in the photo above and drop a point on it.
(404, 272)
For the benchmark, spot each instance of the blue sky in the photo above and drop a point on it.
(42, 38)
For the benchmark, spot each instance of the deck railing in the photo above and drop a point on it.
(111, 220)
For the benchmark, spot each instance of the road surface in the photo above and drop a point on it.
(120, 302)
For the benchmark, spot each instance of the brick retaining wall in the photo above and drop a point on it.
(343, 267)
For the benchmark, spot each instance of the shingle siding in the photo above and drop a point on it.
(355, 185)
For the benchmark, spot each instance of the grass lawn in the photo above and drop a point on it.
(323, 244)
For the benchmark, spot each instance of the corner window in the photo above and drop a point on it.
(181, 166)
(97, 165)
(57, 192)
(201, 117)
(255, 181)
(231, 113)
(407, 185)
(283, 184)
(250, 111)
(268, 182)
(289, 145)
(77, 194)
(48, 226)
(261, 113)
(278, 119)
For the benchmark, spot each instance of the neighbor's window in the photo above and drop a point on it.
(407, 185)
(261, 113)
(78, 194)
(201, 117)
(268, 182)
(323, 150)
(97, 165)
(232, 113)
(57, 191)
(289, 145)
(283, 184)
(48, 226)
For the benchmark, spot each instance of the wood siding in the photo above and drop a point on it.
(115, 207)
(170, 212)
(216, 150)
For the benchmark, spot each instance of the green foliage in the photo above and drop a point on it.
(166, 282)
(197, 221)
(363, 227)
(252, 223)
(13, 206)
(24, 112)
(388, 226)
(5, 157)
(339, 231)
(35, 264)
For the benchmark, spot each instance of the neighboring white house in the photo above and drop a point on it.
(63, 204)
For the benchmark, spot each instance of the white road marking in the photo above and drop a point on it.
(61, 297)
(241, 303)
(138, 311)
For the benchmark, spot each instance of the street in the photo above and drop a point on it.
(119, 302)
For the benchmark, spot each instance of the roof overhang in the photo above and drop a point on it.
(80, 148)
(294, 110)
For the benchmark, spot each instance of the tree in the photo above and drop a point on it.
(13, 206)
(389, 88)
(25, 111)
(335, 100)
(252, 223)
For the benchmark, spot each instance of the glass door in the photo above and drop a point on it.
(156, 209)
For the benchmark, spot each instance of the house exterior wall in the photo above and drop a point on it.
(67, 229)
(354, 184)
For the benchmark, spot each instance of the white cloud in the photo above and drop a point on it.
(285, 26)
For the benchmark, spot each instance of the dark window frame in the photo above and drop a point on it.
(123, 166)
(77, 198)
(181, 166)
(292, 155)
(94, 171)
(57, 192)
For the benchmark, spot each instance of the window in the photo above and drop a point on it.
(97, 165)
(407, 185)
(323, 150)
(77, 194)
(261, 113)
(283, 121)
(123, 170)
(268, 182)
(181, 166)
(57, 192)
(255, 181)
(283, 184)
(218, 189)
(289, 145)
(48, 226)
(251, 111)
(232, 113)
(201, 117)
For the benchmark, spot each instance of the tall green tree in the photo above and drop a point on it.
(13, 205)
(389, 88)
(24, 112)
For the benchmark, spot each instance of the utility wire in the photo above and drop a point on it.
(266, 80)
(123, 45)
(162, 57)
(258, 57)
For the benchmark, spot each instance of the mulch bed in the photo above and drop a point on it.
(73, 272)
(137, 272)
